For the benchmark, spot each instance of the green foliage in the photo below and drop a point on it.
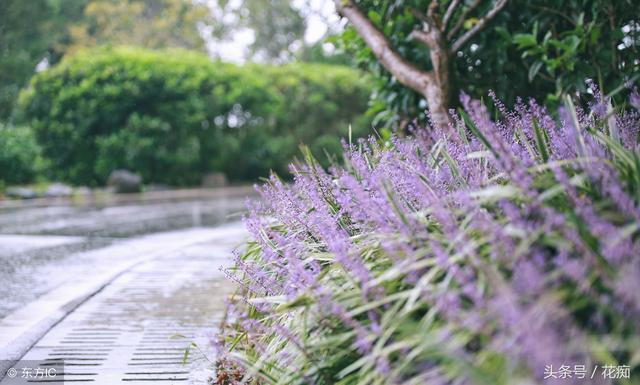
(174, 115)
(276, 24)
(316, 53)
(538, 49)
(20, 160)
(143, 23)
(310, 94)
(571, 40)
(30, 31)
(278, 27)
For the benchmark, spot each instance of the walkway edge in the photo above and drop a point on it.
(20, 330)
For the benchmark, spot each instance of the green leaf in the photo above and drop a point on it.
(504, 33)
(375, 18)
(474, 129)
(185, 356)
(524, 40)
(534, 69)
(469, 23)
(540, 141)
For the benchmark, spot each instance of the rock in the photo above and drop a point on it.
(215, 179)
(123, 181)
(20, 192)
(58, 190)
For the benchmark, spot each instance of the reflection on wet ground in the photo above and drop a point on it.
(122, 220)
(26, 276)
(54, 237)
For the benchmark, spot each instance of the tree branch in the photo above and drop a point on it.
(462, 18)
(450, 10)
(479, 25)
(434, 85)
(426, 19)
(431, 11)
(422, 36)
(402, 69)
(430, 18)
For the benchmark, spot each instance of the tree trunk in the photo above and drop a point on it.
(438, 91)
(433, 85)
(438, 96)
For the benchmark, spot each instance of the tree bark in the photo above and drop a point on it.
(433, 85)
(438, 90)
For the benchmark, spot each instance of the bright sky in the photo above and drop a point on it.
(320, 15)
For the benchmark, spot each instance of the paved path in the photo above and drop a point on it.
(44, 243)
(136, 329)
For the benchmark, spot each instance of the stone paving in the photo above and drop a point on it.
(116, 287)
(43, 244)
(137, 328)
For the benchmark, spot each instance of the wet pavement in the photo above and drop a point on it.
(138, 328)
(44, 244)
(117, 287)
(125, 215)
(26, 275)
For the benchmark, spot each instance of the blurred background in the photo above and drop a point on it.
(152, 94)
(168, 93)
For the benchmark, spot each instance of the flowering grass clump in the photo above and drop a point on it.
(502, 251)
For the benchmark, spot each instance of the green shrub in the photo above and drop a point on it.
(174, 115)
(19, 155)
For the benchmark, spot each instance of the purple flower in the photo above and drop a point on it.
(435, 250)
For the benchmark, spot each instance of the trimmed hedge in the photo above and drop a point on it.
(174, 115)
(20, 159)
